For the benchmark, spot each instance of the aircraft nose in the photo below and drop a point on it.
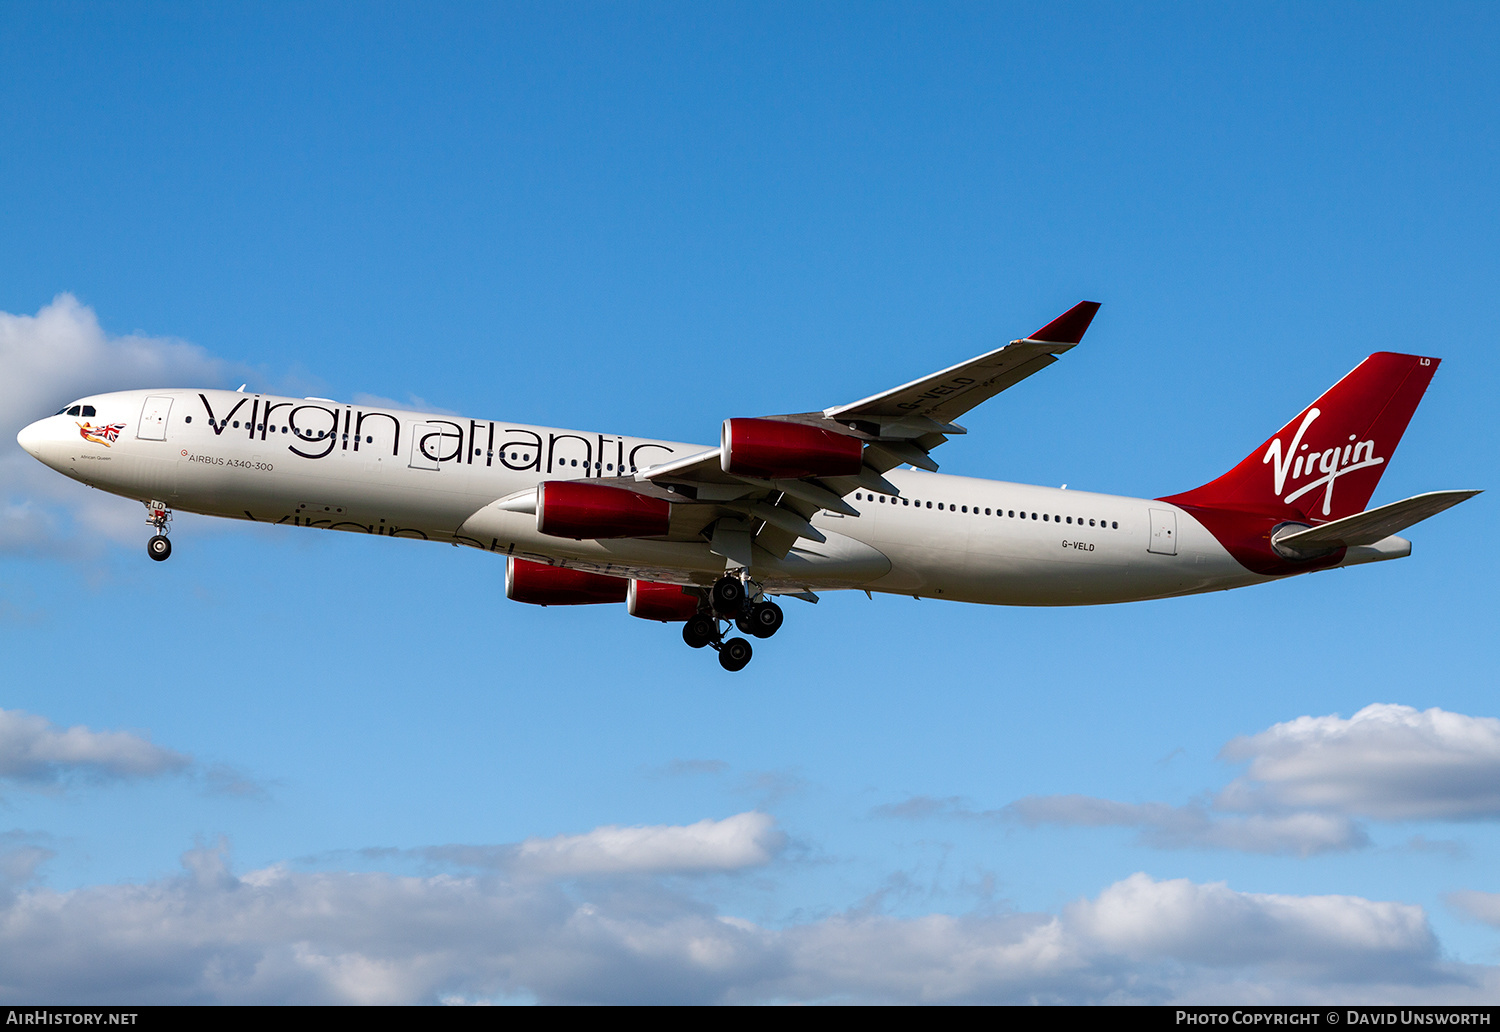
(32, 438)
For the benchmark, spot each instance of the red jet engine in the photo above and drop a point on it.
(543, 585)
(668, 603)
(567, 508)
(771, 448)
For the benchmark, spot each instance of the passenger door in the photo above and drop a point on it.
(153, 426)
(433, 444)
(1163, 532)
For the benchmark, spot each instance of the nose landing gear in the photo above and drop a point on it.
(732, 599)
(158, 516)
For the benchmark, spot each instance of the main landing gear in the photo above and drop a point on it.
(730, 599)
(158, 516)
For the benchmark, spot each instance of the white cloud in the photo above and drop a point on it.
(21, 854)
(1196, 826)
(1481, 906)
(745, 840)
(59, 354)
(1140, 940)
(1341, 938)
(1388, 762)
(279, 935)
(32, 749)
(1307, 783)
(1160, 825)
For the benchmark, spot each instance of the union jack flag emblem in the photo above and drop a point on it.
(105, 435)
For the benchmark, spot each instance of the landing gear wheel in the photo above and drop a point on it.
(734, 654)
(159, 547)
(698, 631)
(764, 619)
(728, 596)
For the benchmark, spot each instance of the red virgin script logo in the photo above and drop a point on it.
(1332, 463)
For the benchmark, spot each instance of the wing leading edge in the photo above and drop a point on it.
(739, 512)
(897, 427)
(931, 403)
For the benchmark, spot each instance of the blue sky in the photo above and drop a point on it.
(647, 218)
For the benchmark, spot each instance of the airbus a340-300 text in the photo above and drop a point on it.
(845, 498)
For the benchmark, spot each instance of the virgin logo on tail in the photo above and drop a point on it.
(1332, 463)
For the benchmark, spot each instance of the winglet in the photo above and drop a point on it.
(1069, 327)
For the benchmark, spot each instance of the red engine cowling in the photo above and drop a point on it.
(665, 602)
(771, 448)
(570, 509)
(543, 585)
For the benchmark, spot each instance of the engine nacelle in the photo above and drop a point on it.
(771, 448)
(571, 509)
(543, 585)
(665, 602)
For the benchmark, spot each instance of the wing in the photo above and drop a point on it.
(896, 427)
(932, 403)
(808, 462)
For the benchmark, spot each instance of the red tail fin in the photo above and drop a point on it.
(1324, 464)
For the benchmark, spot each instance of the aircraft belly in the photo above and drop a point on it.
(840, 562)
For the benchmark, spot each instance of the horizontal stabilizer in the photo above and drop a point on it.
(1366, 528)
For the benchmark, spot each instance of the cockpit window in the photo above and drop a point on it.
(73, 411)
(88, 410)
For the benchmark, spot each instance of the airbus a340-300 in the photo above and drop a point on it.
(845, 498)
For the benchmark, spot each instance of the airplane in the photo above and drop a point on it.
(847, 498)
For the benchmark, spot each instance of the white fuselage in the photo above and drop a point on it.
(316, 463)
